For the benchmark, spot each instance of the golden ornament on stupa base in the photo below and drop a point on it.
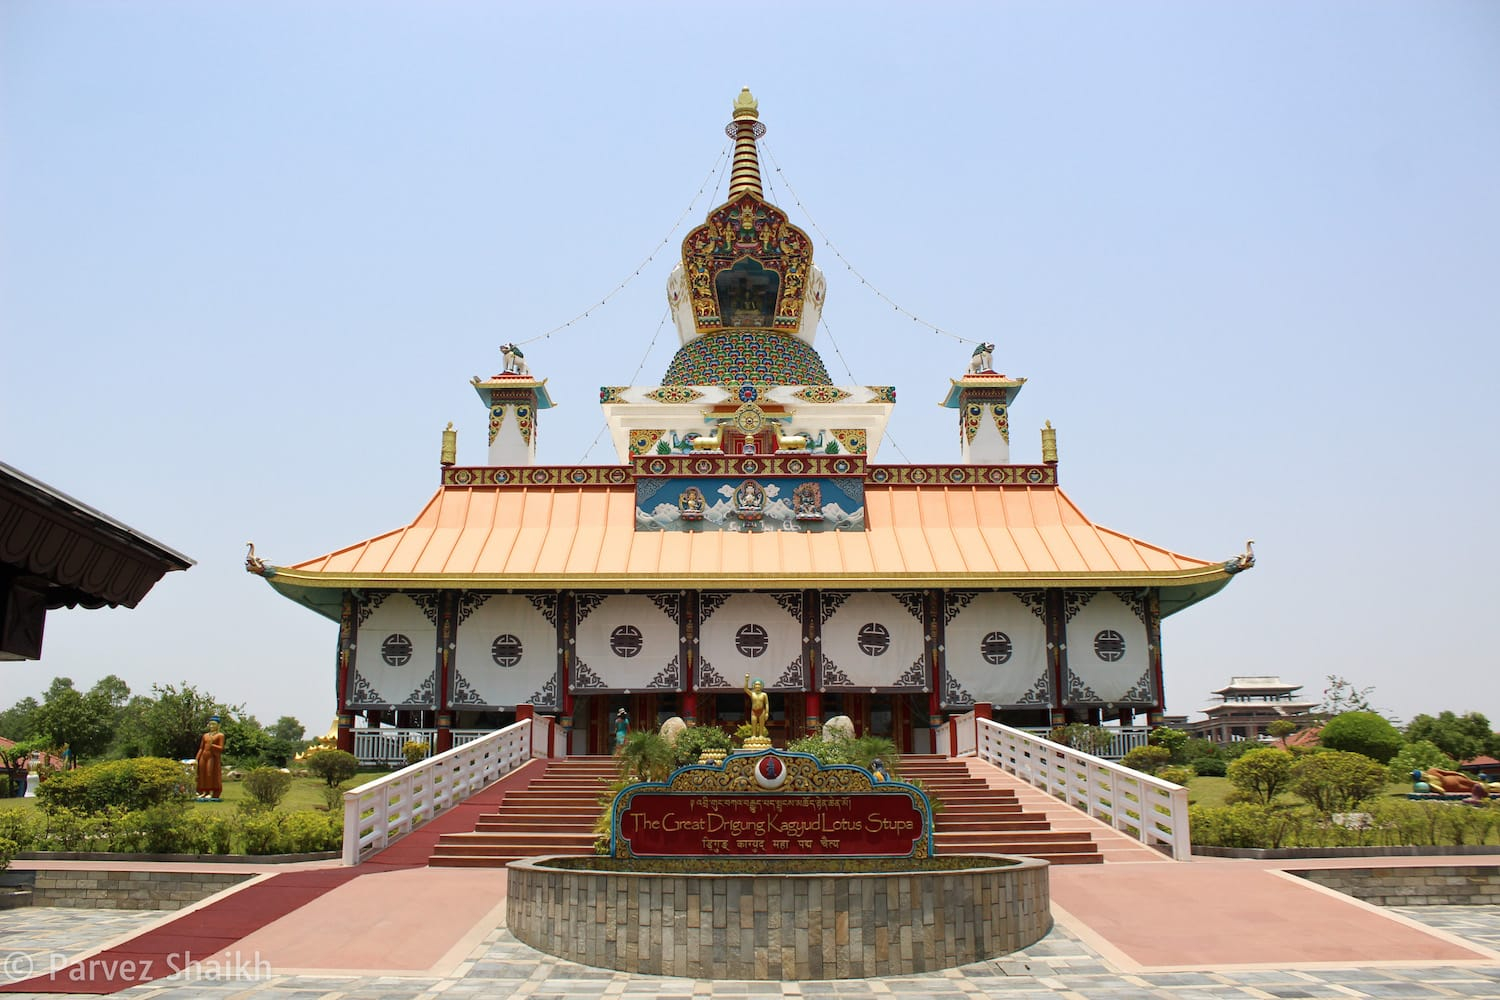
(757, 743)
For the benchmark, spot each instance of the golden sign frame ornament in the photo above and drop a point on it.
(805, 774)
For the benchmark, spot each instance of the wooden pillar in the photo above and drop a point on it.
(1057, 653)
(812, 705)
(936, 646)
(346, 651)
(1155, 714)
(447, 646)
(688, 645)
(565, 608)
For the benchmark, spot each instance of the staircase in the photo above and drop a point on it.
(976, 818)
(556, 812)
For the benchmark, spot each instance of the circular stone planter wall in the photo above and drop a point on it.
(779, 925)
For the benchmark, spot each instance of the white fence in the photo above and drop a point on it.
(384, 746)
(1122, 739)
(1149, 809)
(387, 808)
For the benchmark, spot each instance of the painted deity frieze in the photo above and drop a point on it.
(721, 503)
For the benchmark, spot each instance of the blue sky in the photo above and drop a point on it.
(1245, 255)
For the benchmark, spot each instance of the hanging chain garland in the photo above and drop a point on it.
(638, 369)
(850, 267)
(854, 381)
(717, 168)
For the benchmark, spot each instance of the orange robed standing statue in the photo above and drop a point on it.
(210, 762)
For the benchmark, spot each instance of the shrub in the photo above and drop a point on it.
(1147, 759)
(1244, 825)
(1209, 767)
(1336, 780)
(1082, 737)
(305, 832)
(260, 831)
(1177, 774)
(414, 751)
(333, 797)
(76, 830)
(23, 826)
(161, 829)
(1363, 733)
(8, 850)
(647, 755)
(210, 832)
(693, 740)
(135, 783)
(1174, 740)
(333, 766)
(1261, 773)
(268, 786)
(1419, 756)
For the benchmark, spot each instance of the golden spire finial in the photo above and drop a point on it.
(744, 176)
(745, 106)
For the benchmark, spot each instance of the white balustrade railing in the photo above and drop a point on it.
(1122, 739)
(386, 746)
(389, 807)
(962, 727)
(1146, 808)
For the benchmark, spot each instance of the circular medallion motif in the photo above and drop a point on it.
(796, 466)
(841, 466)
(656, 466)
(703, 466)
(995, 648)
(750, 467)
(770, 772)
(1109, 645)
(880, 475)
(579, 475)
(956, 475)
(506, 650)
(539, 476)
(462, 476)
(1033, 475)
(617, 475)
(873, 639)
(396, 649)
(748, 394)
(625, 641)
(751, 640)
(501, 477)
(749, 418)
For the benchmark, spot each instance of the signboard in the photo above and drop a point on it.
(771, 804)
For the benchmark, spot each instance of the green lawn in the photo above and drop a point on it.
(305, 793)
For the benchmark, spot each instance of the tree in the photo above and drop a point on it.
(1342, 696)
(1363, 733)
(1460, 737)
(1281, 728)
(1175, 740)
(333, 766)
(287, 728)
(1262, 772)
(19, 721)
(68, 718)
(1337, 781)
(178, 717)
(1418, 755)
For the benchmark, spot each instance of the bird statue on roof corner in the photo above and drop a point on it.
(1244, 560)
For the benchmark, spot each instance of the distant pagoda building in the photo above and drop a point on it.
(1247, 705)
(747, 529)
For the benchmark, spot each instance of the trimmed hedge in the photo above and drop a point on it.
(133, 784)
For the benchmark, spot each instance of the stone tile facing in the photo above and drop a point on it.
(1439, 885)
(780, 926)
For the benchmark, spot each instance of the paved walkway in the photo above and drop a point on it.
(1126, 930)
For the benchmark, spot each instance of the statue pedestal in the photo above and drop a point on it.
(757, 743)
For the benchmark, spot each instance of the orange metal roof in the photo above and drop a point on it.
(567, 536)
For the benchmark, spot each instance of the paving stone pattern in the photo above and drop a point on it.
(1058, 966)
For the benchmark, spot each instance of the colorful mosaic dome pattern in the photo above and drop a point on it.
(738, 356)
